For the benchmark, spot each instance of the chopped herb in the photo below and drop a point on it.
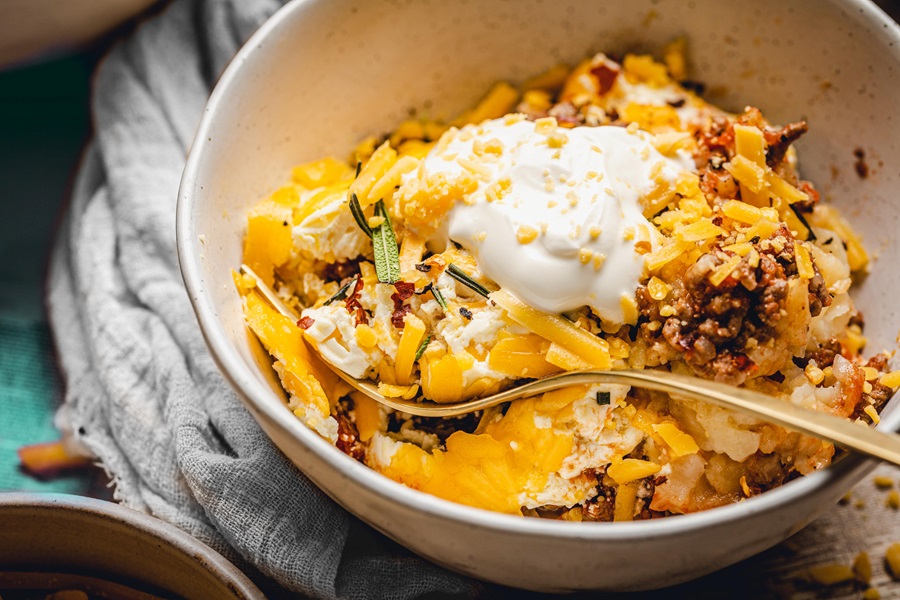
(439, 297)
(465, 312)
(462, 277)
(802, 219)
(422, 267)
(341, 293)
(387, 255)
(603, 398)
(422, 347)
(754, 239)
(358, 169)
(358, 215)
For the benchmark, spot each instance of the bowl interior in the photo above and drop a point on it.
(323, 75)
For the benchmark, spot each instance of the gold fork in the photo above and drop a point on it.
(850, 435)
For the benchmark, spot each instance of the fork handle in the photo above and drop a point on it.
(874, 443)
(850, 435)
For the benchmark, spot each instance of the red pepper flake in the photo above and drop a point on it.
(606, 73)
(353, 305)
(405, 291)
(305, 322)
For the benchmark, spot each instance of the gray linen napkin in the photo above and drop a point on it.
(142, 392)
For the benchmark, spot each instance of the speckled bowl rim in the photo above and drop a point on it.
(190, 548)
(849, 469)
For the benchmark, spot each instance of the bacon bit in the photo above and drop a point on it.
(779, 140)
(353, 305)
(305, 322)
(718, 134)
(725, 139)
(814, 197)
(606, 73)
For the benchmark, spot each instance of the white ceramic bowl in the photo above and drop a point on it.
(321, 75)
(49, 538)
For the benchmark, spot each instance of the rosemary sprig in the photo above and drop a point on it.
(387, 255)
(802, 219)
(439, 297)
(341, 293)
(358, 169)
(463, 277)
(358, 215)
(422, 347)
(603, 398)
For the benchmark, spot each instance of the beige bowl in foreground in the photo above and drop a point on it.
(71, 535)
(321, 75)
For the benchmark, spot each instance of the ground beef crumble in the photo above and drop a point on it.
(712, 325)
(880, 393)
(823, 355)
(348, 438)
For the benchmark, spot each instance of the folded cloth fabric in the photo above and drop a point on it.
(142, 392)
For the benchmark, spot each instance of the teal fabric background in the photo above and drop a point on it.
(44, 124)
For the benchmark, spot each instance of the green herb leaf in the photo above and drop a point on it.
(439, 297)
(422, 347)
(358, 215)
(603, 398)
(387, 255)
(462, 277)
(341, 293)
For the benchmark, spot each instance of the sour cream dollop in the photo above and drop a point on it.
(557, 213)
